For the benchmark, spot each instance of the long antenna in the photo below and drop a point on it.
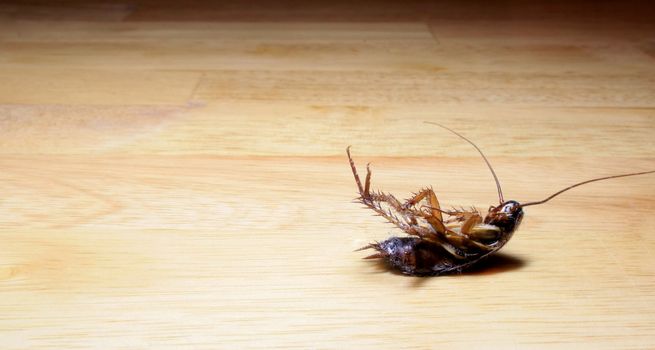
(500, 191)
(582, 183)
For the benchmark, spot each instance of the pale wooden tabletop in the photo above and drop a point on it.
(174, 176)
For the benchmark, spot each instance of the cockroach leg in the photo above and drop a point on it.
(354, 169)
(433, 205)
(375, 245)
(434, 217)
(408, 223)
(462, 240)
(367, 183)
(403, 217)
(380, 252)
(473, 220)
(415, 199)
(375, 256)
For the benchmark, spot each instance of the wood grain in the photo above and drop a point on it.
(176, 178)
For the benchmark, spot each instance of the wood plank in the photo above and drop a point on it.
(216, 46)
(95, 87)
(445, 88)
(290, 129)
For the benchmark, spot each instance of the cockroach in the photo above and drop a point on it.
(444, 241)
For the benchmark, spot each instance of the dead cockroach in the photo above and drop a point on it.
(439, 245)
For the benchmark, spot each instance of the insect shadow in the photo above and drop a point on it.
(496, 263)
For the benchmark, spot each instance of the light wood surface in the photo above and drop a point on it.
(174, 176)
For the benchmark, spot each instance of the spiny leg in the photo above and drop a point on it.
(457, 238)
(432, 200)
(442, 235)
(473, 220)
(380, 252)
(408, 223)
(354, 169)
(456, 242)
(367, 184)
(438, 232)
(464, 237)
(374, 201)
(469, 228)
(461, 214)
(434, 218)
(406, 208)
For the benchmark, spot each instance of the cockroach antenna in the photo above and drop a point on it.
(500, 190)
(583, 183)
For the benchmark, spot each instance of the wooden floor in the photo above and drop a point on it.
(174, 176)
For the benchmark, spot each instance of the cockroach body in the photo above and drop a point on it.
(439, 245)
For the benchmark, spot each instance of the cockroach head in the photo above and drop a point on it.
(512, 208)
(507, 215)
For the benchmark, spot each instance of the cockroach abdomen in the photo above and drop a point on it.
(415, 256)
